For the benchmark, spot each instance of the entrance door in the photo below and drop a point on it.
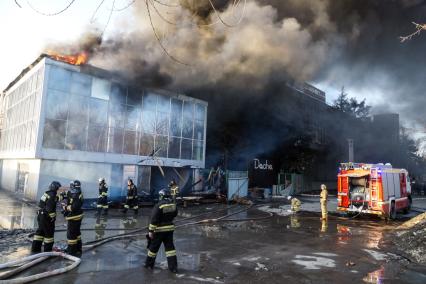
(129, 171)
(22, 178)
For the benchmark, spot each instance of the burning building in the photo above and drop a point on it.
(64, 120)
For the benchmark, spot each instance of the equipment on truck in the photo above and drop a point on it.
(377, 189)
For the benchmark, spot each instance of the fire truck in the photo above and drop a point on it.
(376, 189)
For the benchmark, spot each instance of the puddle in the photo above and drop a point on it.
(314, 262)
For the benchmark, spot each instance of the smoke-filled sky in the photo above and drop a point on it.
(331, 43)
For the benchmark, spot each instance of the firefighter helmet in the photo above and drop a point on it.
(76, 184)
(54, 185)
(102, 180)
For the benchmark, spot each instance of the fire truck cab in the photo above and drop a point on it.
(376, 189)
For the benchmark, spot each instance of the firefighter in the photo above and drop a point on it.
(74, 214)
(103, 196)
(174, 189)
(323, 201)
(161, 230)
(295, 204)
(132, 197)
(46, 217)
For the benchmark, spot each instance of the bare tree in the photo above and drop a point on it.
(419, 29)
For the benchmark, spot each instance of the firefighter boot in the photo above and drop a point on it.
(71, 249)
(149, 262)
(36, 246)
(172, 263)
(48, 247)
(79, 247)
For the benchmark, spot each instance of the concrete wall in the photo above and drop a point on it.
(87, 173)
(9, 175)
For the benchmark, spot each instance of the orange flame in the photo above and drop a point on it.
(77, 59)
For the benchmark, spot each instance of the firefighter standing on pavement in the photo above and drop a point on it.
(103, 196)
(295, 204)
(323, 201)
(174, 189)
(132, 197)
(46, 217)
(161, 231)
(74, 214)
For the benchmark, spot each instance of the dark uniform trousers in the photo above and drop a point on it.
(167, 239)
(74, 236)
(45, 232)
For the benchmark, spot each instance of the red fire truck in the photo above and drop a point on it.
(373, 189)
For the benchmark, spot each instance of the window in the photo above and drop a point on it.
(132, 118)
(54, 134)
(57, 105)
(148, 122)
(79, 109)
(176, 118)
(161, 143)
(150, 102)
(130, 143)
(101, 89)
(163, 104)
(146, 145)
(117, 115)
(199, 129)
(115, 140)
(76, 136)
(162, 126)
(134, 97)
(96, 138)
(187, 127)
(186, 149)
(81, 84)
(200, 112)
(118, 94)
(197, 153)
(98, 112)
(59, 79)
(174, 147)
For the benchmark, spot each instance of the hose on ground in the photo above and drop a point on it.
(34, 259)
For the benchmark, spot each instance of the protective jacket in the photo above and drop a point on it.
(162, 216)
(73, 210)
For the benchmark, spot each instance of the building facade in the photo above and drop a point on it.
(64, 122)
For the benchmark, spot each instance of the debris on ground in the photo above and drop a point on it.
(14, 237)
(411, 239)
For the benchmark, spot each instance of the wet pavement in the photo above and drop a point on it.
(289, 248)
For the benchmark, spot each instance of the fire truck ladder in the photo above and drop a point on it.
(373, 195)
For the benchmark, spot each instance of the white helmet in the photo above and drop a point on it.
(289, 197)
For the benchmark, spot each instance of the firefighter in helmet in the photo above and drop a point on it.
(132, 197)
(103, 196)
(323, 201)
(46, 216)
(174, 189)
(161, 231)
(72, 210)
(295, 204)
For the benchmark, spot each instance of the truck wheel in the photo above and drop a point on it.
(393, 211)
(408, 208)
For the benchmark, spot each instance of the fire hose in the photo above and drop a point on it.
(32, 260)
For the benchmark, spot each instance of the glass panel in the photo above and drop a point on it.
(59, 79)
(134, 97)
(187, 127)
(163, 104)
(79, 109)
(161, 143)
(199, 129)
(200, 111)
(76, 136)
(118, 94)
(54, 134)
(148, 122)
(162, 123)
(150, 102)
(56, 105)
(132, 118)
(176, 119)
(130, 143)
(116, 115)
(186, 149)
(197, 153)
(98, 113)
(97, 138)
(115, 140)
(174, 147)
(146, 145)
(101, 89)
(188, 109)
(81, 84)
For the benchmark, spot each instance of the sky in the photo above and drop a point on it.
(330, 43)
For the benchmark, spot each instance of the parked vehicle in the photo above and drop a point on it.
(376, 189)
